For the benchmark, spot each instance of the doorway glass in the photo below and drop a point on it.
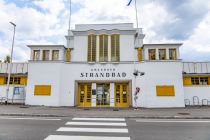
(103, 95)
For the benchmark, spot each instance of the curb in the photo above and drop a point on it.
(140, 117)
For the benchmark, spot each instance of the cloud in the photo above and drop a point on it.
(46, 22)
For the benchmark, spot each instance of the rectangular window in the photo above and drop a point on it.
(103, 48)
(152, 54)
(55, 54)
(45, 55)
(91, 48)
(172, 54)
(18, 90)
(13, 80)
(140, 54)
(200, 80)
(162, 54)
(36, 55)
(115, 48)
(42, 90)
(165, 91)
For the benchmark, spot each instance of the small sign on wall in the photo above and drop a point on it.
(93, 92)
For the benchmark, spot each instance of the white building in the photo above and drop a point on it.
(102, 65)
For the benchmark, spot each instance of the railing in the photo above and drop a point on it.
(196, 99)
(187, 102)
(203, 102)
(3, 99)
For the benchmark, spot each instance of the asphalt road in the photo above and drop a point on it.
(17, 128)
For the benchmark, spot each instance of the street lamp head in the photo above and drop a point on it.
(12, 23)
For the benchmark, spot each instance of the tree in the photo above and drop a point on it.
(7, 59)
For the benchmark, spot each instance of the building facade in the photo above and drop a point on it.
(102, 65)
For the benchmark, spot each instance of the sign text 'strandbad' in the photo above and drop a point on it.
(103, 73)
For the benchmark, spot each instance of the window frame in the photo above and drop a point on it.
(159, 50)
(44, 55)
(102, 45)
(196, 81)
(115, 47)
(53, 55)
(154, 54)
(90, 51)
(175, 50)
(34, 56)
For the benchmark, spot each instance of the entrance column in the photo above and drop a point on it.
(93, 100)
(112, 100)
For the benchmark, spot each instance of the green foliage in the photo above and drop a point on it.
(7, 59)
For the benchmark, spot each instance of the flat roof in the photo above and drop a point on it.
(30, 46)
(155, 44)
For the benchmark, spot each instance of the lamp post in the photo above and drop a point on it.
(10, 64)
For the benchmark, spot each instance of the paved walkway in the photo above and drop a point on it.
(190, 112)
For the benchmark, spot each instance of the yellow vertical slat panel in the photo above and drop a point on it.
(165, 91)
(23, 80)
(1, 80)
(42, 90)
(208, 80)
(140, 54)
(68, 55)
(187, 81)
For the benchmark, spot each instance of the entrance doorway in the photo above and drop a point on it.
(121, 95)
(85, 92)
(103, 95)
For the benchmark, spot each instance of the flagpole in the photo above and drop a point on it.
(69, 14)
(137, 21)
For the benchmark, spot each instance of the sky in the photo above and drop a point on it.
(163, 21)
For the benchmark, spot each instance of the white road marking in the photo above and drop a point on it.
(62, 137)
(96, 123)
(44, 119)
(99, 119)
(105, 130)
(172, 121)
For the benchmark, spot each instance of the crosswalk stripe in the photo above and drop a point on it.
(99, 119)
(62, 137)
(96, 123)
(104, 130)
(172, 121)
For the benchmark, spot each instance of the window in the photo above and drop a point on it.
(152, 54)
(13, 80)
(140, 54)
(199, 80)
(91, 48)
(55, 54)
(165, 91)
(45, 55)
(68, 55)
(42, 90)
(115, 48)
(18, 90)
(103, 48)
(172, 54)
(162, 54)
(36, 55)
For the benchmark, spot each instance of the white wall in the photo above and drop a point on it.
(44, 74)
(203, 92)
(127, 48)
(160, 73)
(62, 77)
(79, 53)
